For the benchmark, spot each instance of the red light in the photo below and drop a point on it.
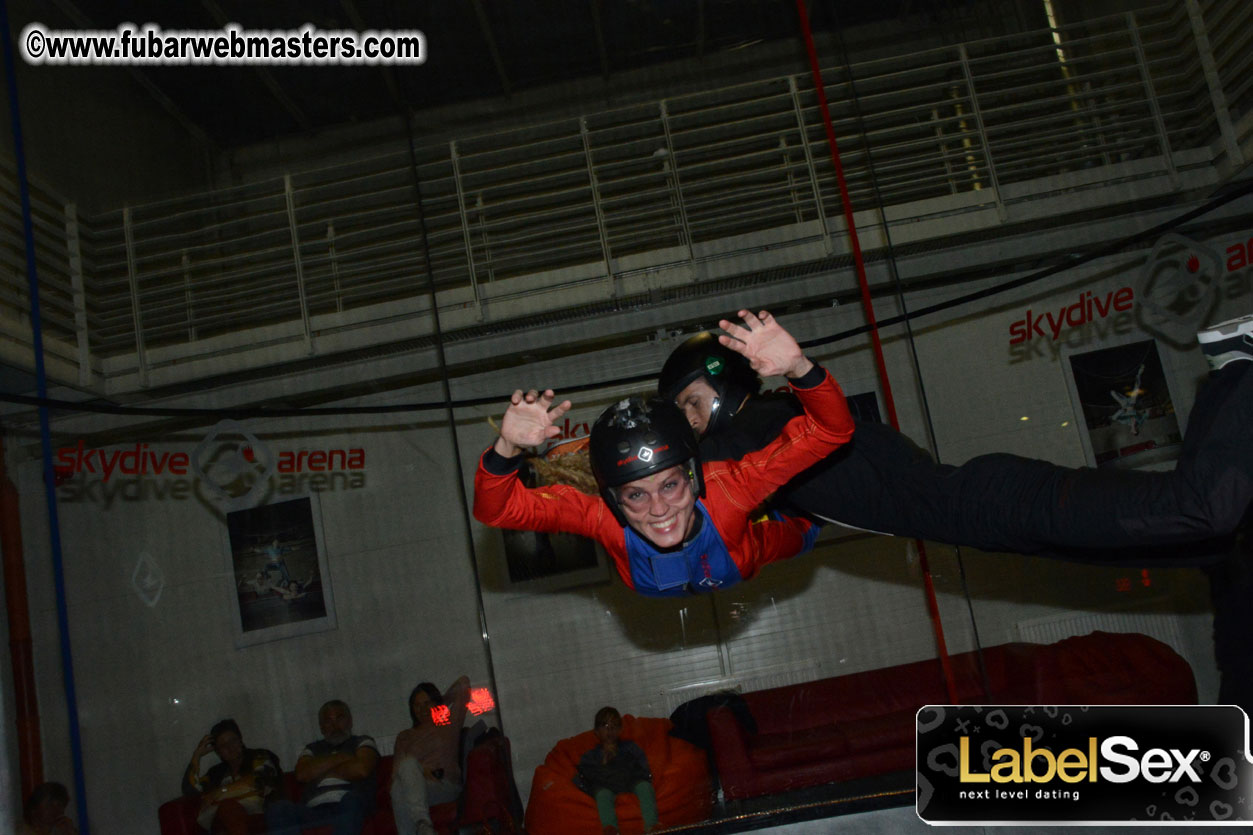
(441, 715)
(1123, 584)
(1194, 264)
(481, 701)
(1145, 580)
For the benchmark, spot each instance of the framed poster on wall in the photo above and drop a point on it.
(277, 560)
(865, 407)
(550, 561)
(1123, 399)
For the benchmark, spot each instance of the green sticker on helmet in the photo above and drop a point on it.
(714, 365)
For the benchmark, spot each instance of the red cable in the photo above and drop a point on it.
(933, 606)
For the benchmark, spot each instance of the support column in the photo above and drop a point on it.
(1210, 70)
(21, 655)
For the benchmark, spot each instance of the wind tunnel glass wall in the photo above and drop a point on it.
(1044, 228)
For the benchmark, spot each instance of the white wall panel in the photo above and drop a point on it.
(404, 595)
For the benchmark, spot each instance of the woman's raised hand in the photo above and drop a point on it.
(769, 349)
(529, 421)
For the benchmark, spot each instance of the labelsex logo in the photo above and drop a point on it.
(1040, 765)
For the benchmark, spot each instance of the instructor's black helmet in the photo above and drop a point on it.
(635, 438)
(727, 372)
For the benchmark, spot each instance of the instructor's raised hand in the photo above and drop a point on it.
(769, 349)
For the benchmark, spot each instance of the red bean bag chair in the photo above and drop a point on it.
(680, 780)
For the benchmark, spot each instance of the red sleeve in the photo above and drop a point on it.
(769, 541)
(804, 441)
(502, 501)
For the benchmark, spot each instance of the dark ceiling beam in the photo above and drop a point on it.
(267, 77)
(141, 78)
(600, 38)
(389, 74)
(700, 28)
(481, 14)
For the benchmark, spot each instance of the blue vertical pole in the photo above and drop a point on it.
(45, 431)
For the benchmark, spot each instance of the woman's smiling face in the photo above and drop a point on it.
(660, 507)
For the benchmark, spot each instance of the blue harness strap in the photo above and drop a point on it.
(702, 565)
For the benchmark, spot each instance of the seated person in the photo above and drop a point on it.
(426, 770)
(613, 767)
(338, 773)
(672, 525)
(44, 813)
(238, 786)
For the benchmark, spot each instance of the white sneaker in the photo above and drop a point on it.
(1227, 342)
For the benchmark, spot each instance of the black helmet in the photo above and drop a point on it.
(730, 375)
(634, 438)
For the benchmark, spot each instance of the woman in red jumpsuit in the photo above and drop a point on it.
(672, 525)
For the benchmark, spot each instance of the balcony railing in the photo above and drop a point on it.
(983, 124)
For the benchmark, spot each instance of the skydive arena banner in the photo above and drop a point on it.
(1181, 765)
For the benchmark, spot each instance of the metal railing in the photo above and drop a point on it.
(679, 180)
